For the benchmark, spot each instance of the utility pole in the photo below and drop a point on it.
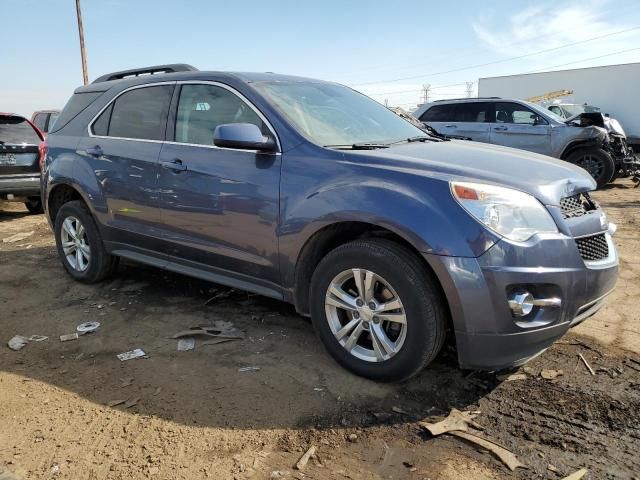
(425, 89)
(85, 75)
(470, 89)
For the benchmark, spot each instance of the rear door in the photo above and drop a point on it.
(219, 205)
(518, 126)
(122, 152)
(440, 117)
(472, 120)
(19, 143)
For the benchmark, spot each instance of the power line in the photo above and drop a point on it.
(510, 59)
(413, 90)
(622, 13)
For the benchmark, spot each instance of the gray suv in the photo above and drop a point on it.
(309, 192)
(584, 141)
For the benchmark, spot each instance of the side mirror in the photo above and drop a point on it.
(244, 136)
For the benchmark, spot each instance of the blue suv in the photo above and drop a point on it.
(314, 194)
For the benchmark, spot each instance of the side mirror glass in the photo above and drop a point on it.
(244, 136)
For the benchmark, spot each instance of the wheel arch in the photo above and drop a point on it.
(577, 144)
(60, 194)
(330, 237)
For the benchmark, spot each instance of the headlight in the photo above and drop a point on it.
(510, 213)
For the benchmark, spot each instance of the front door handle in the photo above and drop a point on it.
(175, 164)
(95, 151)
(500, 129)
(451, 126)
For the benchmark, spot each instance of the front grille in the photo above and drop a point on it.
(578, 205)
(594, 247)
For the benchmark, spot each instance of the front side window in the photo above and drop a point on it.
(201, 108)
(517, 114)
(333, 115)
(140, 113)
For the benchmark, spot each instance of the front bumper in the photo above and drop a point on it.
(20, 185)
(488, 336)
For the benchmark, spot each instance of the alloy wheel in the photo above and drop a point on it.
(592, 164)
(366, 315)
(75, 244)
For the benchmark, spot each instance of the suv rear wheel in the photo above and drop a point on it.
(376, 310)
(597, 162)
(80, 246)
(34, 205)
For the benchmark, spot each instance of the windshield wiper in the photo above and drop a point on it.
(420, 138)
(359, 146)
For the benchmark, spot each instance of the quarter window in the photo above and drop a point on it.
(140, 113)
(201, 108)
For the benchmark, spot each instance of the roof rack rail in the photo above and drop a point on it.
(467, 98)
(136, 72)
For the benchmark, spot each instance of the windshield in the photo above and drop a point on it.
(334, 115)
(17, 131)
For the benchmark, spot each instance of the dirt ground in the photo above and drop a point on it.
(196, 415)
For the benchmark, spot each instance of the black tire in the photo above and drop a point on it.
(101, 264)
(597, 162)
(34, 205)
(423, 304)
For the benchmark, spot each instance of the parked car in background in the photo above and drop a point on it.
(569, 110)
(610, 87)
(22, 152)
(44, 119)
(312, 193)
(519, 124)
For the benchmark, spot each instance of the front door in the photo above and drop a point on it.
(519, 127)
(122, 152)
(219, 206)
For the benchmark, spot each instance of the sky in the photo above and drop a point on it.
(388, 50)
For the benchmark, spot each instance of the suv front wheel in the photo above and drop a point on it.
(597, 162)
(80, 246)
(377, 310)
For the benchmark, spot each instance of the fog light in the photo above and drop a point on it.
(522, 303)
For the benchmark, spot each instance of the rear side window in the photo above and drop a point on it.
(478, 112)
(140, 113)
(201, 108)
(16, 130)
(76, 104)
(439, 113)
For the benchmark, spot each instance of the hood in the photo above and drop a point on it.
(595, 119)
(546, 178)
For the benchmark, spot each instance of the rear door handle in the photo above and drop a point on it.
(95, 151)
(175, 164)
(500, 129)
(451, 126)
